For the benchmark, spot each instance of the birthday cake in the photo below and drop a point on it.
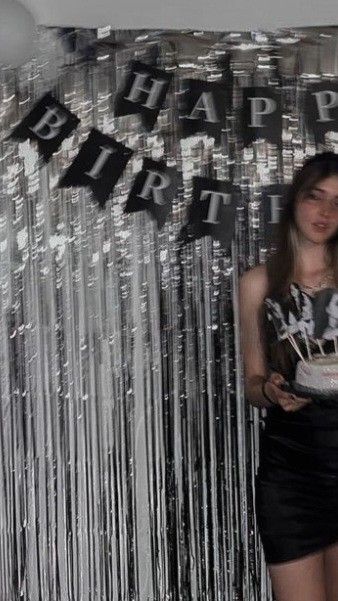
(319, 373)
(307, 323)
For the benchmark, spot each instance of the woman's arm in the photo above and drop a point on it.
(252, 291)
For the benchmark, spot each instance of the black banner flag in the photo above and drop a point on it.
(98, 165)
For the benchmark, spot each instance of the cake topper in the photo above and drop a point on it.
(313, 318)
(321, 302)
(284, 329)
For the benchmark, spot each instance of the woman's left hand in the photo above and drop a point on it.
(289, 401)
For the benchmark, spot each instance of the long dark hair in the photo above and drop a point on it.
(281, 263)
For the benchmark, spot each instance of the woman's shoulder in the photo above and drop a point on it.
(257, 272)
(255, 281)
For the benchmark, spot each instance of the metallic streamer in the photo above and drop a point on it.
(127, 449)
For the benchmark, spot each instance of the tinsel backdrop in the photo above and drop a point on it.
(127, 448)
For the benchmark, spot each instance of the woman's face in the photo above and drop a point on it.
(316, 211)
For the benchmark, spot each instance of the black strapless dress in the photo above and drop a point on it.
(296, 486)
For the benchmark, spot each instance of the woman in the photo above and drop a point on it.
(296, 491)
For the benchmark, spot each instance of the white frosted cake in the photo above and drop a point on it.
(319, 374)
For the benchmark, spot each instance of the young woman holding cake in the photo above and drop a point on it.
(296, 492)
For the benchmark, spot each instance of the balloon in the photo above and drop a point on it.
(17, 32)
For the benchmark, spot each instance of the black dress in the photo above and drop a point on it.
(296, 486)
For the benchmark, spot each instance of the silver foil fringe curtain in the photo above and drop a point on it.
(127, 448)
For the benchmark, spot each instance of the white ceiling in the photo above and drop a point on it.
(218, 15)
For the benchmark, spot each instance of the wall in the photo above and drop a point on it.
(179, 14)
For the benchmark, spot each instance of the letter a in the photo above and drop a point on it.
(206, 105)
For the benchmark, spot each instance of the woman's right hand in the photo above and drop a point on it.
(288, 401)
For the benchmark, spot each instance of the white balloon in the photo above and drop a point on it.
(17, 33)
